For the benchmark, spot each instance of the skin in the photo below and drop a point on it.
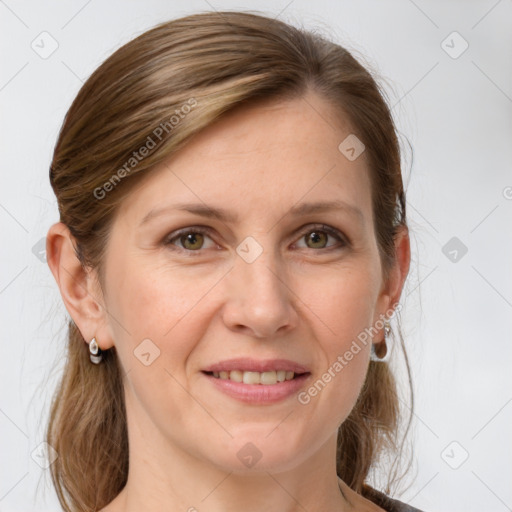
(301, 299)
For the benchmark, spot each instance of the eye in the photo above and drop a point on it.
(191, 239)
(318, 235)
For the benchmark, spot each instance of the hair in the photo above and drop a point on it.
(163, 87)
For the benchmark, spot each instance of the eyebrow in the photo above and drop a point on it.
(227, 216)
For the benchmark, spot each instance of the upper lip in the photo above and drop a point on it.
(254, 365)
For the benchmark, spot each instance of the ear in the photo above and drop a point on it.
(392, 287)
(78, 286)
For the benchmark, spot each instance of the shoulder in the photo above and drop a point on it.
(387, 503)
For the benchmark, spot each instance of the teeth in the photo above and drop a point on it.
(265, 378)
(236, 375)
(268, 378)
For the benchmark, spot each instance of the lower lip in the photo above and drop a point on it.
(259, 393)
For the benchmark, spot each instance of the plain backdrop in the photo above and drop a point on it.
(446, 67)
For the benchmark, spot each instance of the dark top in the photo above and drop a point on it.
(387, 503)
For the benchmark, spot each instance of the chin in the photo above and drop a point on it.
(261, 450)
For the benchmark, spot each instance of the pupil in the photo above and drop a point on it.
(190, 238)
(316, 238)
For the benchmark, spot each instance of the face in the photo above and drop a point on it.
(271, 280)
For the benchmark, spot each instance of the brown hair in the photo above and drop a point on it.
(196, 69)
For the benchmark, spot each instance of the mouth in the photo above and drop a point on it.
(267, 378)
(256, 381)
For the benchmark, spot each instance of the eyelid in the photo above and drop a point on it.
(302, 231)
(335, 233)
(204, 230)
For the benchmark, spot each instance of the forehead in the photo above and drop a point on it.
(260, 160)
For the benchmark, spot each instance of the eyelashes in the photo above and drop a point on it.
(317, 229)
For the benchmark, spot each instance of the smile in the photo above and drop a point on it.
(248, 377)
(257, 388)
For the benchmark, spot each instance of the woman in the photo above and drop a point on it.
(232, 243)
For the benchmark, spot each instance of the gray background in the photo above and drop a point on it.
(454, 107)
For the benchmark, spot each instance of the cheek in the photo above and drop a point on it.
(341, 307)
(164, 315)
(342, 301)
(166, 306)
(347, 311)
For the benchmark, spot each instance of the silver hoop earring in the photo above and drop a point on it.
(383, 348)
(95, 352)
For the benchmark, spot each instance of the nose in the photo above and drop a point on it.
(259, 300)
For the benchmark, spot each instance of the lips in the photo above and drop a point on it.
(258, 394)
(258, 382)
(253, 365)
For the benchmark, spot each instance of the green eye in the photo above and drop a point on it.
(318, 236)
(189, 239)
(192, 239)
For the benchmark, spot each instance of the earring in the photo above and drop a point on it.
(95, 352)
(379, 350)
